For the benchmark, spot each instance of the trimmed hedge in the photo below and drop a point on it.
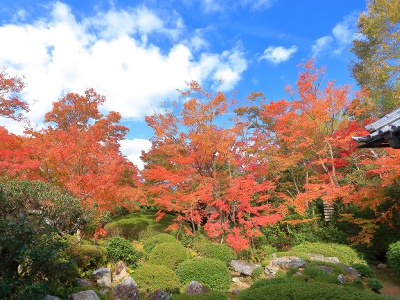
(218, 251)
(151, 242)
(393, 257)
(298, 290)
(168, 254)
(210, 272)
(152, 277)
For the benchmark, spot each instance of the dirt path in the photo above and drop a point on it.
(390, 282)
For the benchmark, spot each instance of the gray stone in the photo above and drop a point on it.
(195, 288)
(126, 289)
(85, 295)
(334, 260)
(287, 262)
(350, 270)
(341, 278)
(243, 267)
(314, 256)
(382, 266)
(270, 271)
(48, 297)
(160, 295)
(236, 279)
(119, 271)
(103, 277)
(325, 269)
(83, 282)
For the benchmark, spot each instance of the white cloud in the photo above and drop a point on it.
(278, 54)
(211, 6)
(132, 149)
(321, 44)
(114, 53)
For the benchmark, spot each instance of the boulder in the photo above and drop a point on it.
(48, 297)
(325, 269)
(287, 262)
(341, 278)
(382, 266)
(243, 267)
(85, 295)
(195, 288)
(126, 289)
(270, 271)
(119, 271)
(83, 282)
(160, 295)
(350, 270)
(334, 260)
(314, 256)
(103, 277)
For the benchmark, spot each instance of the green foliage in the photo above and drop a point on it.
(280, 274)
(393, 257)
(208, 271)
(344, 253)
(336, 269)
(151, 242)
(119, 248)
(168, 254)
(212, 295)
(130, 226)
(299, 290)
(357, 282)
(374, 284)
(218, 251)
(257, 273)
(152, 277)
(147, 233)
(313, 271)
(88, 257)
(364, 270)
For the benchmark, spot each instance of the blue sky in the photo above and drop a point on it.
(137, 53)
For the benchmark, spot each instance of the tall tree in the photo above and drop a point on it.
(194, 168)
(377, 47)
(80, 150)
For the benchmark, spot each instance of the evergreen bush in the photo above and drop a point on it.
(152, 277)
(88, 257)
(119, 248)
(151, 242)
(393, 257)
(313, 271)
(208, 271)
(168, 254)
(374, 284)
(218, 251)
(212, 295)
(364, 270)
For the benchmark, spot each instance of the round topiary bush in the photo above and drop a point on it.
(151, 242)
(364, 270)
(393, 257)
(88, 257)
(168, 254)
(218, 251)
(210, 272)
(374, 284)
(119, 248)
(152, 277)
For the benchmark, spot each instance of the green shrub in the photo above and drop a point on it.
(212, 295)
(147, 233)
(88, 257)
(168, 254)
(393, 257)
(152, 277)
(218, 251)
(299, 290)
(280, 274)
(364, 270)
(151, 242)
(119, 248)
(328, 278)
(344, 253)
(357, 282)
(291, 271)
(257, 273)
(313, 271)
(374, 284)
(208, 271)
(336, 269)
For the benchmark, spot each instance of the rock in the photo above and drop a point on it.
(85, 295)
(103, 277)
(119, 271)
(314, 256)
(48, 297)
(350, 271)
(195, 288)
(382, 266)
(287, 262)
(127, 288)
(243, 267)
(160, 295)
(341, 278)
(83, 282)
(334, 260)
(236, 279)
(325, 269)
(270, 271)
